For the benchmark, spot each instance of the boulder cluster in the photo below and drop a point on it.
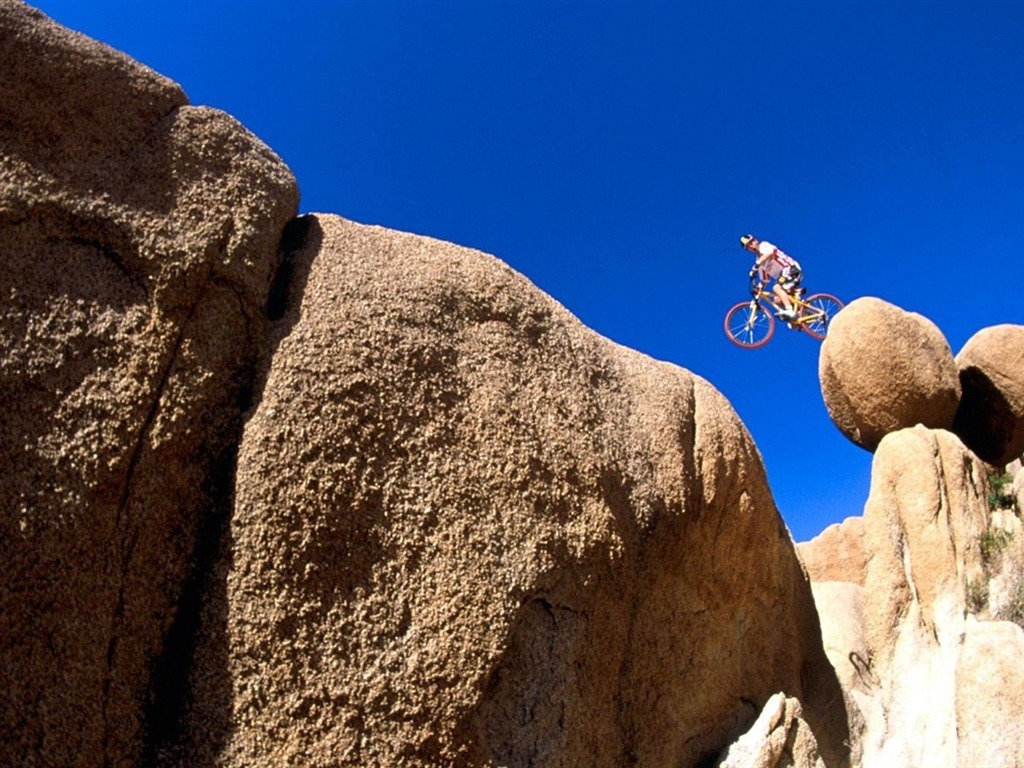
(292, 490)
(922, 598)
(883, 369)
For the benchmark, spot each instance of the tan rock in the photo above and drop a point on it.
(990, 419)
(1005, 567)
(883, 369)
(469, 531)
(1018, 489)
(837, 553)
(922, 523)
(841, 612)
(139, 237)
(990, 696)
(779, 738)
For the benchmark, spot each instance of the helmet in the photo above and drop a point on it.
(746, 240)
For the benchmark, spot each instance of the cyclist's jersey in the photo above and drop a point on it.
(779, 263)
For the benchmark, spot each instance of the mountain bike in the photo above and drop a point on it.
(751, 324)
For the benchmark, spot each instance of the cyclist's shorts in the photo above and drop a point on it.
(790, 277)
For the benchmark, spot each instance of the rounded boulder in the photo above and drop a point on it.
(990, 419)
(883, 369)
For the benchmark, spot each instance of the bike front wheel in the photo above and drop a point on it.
(821, 308)
(749, 325)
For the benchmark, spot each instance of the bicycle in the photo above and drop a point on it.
(751, 324)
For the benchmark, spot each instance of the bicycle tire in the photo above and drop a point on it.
(749, 329)
(825, 307)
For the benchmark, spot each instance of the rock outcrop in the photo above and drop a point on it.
(923, 522)
(139, 237)
(912, 597)
(883, 369)
(990, 419)
(931, 674)
(470, 531)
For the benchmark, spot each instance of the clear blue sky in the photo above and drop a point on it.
(613, 152)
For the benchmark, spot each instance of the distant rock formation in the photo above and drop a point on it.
(990, 419)
(470, 531)
(883, 369)
(139, 238)
(837, 553)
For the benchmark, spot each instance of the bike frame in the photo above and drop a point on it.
(751, 324)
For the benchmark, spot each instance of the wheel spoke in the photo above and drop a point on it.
(749, 325)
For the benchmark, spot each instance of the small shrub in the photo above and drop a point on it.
(977, 595)
(992, 543)
(999, 495)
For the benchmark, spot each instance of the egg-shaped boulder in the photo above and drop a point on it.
(882, 369)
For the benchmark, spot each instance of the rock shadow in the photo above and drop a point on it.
(984, 420)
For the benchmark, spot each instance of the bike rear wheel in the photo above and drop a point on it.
(749, 325)
(821, 308)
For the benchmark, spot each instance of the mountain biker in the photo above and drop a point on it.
(772, 263)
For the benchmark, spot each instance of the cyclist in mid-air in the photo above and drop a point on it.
(774, 264)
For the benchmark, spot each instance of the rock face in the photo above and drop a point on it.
(883, 369)
(841, 611)
(923, 524)
(990, 695)
(469, 531)
(930, 671)
(139, 238)
(990, 419)
(837, 553)
(779, 738)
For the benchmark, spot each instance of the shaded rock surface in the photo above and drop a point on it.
(841, 611)
(837, 553)
(883, 369)
(990, 418)
(139, 238)
(468, 530)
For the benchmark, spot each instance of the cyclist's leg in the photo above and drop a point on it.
(789, 286)
(783, 299)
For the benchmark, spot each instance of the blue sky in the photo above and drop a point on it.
(613, 152)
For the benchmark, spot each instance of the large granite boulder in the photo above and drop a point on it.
(883, 369)
(139, 238)
(469, 531)
(990, 419)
